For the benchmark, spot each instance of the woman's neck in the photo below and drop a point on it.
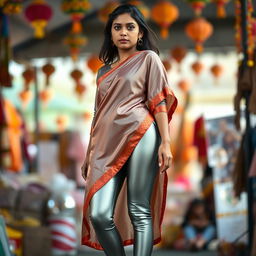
(124, 54)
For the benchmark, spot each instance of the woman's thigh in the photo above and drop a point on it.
(142, 166)
(104, 200)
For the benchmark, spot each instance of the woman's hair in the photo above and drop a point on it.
(108, 52)
(190, 210)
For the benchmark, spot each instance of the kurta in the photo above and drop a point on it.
(126, 98)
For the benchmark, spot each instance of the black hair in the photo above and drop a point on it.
(192, 205)
(108, 52)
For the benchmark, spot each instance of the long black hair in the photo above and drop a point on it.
(108, 52)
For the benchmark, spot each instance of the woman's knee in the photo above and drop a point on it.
(101, 219)
(139, 211)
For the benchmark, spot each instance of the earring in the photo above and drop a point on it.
(140, 42)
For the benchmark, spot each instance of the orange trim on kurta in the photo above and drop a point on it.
(161, 96)
(160, 108)
(114, 68)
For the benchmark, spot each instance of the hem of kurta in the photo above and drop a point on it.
(123, 158)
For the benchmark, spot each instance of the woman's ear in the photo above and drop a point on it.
(141, 34)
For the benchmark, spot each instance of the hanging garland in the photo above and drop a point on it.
(250, 37)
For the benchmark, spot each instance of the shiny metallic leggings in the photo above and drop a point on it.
(140, 169)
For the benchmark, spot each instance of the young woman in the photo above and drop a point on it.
(129, 148)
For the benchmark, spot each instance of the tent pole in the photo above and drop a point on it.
(36, 119)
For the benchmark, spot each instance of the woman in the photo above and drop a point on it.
(133, 105)
(198, 225)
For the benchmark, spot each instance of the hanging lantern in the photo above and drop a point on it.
(221, 12)
(87, 115)
(142, 8)
(77, 10)
(80, 90)
(216, 70)
(167, 64)
(106, 10)
(94, 63)
(13, 7)
(238, 30)
(61, 122)
(38, 14)
(46, 95)
(48, 69)
(164, 14)
(184, 85)
(76, 74)
(179, 53)
(199, 29)
(197, 67)
(75, 43)
(28, 76)
(198, 5)
(25, 97)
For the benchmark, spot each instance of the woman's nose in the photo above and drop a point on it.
(123, 31)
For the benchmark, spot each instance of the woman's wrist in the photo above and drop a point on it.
(166, 141)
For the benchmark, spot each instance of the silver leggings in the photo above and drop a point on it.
(140, 169)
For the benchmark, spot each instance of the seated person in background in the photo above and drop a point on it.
(197, 226)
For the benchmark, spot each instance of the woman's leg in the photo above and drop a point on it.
(101, 214)
(142, 168)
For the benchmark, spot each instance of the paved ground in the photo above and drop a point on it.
(157, 252)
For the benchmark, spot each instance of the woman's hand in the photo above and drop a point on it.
(164, 156)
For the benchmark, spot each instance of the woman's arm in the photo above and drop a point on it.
(164, 152)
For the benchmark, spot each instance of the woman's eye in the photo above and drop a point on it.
(117, 27)
(131, 27)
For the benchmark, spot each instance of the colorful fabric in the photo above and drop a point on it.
(126, 99)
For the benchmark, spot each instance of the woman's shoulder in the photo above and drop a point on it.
(151, 55)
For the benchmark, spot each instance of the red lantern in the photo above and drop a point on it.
(76, 74)
(94, 63)
(216, 70)
(184, 85)
(13, 7)
(75, 43)
(221, 13)
(106, 10)
(48, 70)
(80, 90)
(179, 53)
(61, 122)
(164, 14)
(87, 115)
(46, 95)
(199, 29)
(38, 14)
(76, 9)
(197, 67)
(198, 5)
(25, 97)
(28, 76)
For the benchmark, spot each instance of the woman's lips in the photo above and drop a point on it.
(123, 41)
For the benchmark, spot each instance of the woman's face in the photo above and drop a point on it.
(125, 32)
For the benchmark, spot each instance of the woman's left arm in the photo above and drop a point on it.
(164, 151)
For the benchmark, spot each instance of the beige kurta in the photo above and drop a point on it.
(125, 101)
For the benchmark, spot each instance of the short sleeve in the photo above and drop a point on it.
(157, 86)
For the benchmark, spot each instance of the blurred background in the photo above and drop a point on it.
(48, 66)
